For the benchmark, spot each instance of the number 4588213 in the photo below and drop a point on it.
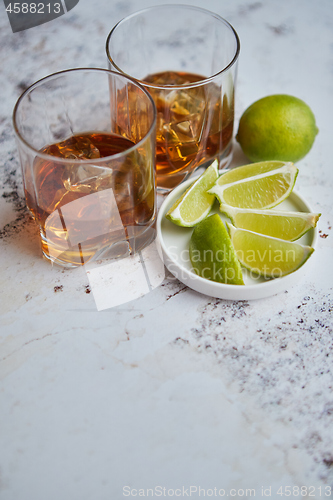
(33, 8)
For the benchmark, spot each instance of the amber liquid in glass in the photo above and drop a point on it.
(58, 184)
(194, 124)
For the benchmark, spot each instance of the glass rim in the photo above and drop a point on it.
(86, 160)
(199, 83)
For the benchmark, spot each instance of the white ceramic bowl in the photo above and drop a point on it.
(174, 243)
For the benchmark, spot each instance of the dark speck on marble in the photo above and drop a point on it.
(281, 29)
(246, 9)
(22, 86)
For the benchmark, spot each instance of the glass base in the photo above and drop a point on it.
(137, 238)
(166, 183)
(226, 158)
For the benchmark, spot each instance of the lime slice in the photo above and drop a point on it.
(266, 256)
(277, 223)
(195, 204)
(212, 254)
(245, 171)
(258, 185)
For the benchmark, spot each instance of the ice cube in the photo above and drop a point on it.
(78, 148)
(188, 102)
(181, 116)
(183, 131)
(86, 178)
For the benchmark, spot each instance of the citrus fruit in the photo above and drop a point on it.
(195, 203)
(277, 127)
(267, 256)
(258, 185)
(277, 223)
(211, 252)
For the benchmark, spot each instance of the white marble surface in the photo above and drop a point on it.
(174, 389)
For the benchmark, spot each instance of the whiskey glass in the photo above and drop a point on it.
(86, 141)
(186, 57)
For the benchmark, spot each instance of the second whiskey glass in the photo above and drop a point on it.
(186, 57)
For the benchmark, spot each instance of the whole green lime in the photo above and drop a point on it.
(277, 127)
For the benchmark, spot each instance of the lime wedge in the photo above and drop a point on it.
(212, 254)
(258, 185)
(277, 223)
(239, 173)
(195, 204)
(266, 256)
